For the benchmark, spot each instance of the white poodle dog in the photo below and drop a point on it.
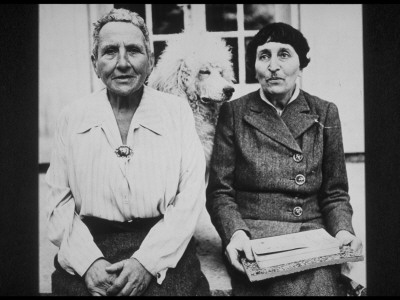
(198, 67)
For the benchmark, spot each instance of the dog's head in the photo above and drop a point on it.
(197, 65)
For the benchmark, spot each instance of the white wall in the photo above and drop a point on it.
(335, 73)
(65, 70)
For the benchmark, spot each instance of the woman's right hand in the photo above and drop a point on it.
(240, 242)
(97, 279)
(346, 238)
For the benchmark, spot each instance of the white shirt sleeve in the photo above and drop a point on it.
(167, 240)
(77, 250)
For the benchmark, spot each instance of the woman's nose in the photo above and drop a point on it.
(273, 65)
(122, 60)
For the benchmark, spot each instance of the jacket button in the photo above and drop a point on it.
(300, 179)
(297, 211)
(297, 157)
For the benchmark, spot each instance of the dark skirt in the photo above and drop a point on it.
(118, 241)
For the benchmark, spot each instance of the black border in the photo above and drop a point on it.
(19, 240)
(19, 148)
(381, 34)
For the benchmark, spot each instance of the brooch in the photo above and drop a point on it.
(124, 151)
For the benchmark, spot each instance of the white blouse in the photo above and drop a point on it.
(164, 176)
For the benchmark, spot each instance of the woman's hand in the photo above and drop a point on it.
(239, 242)
(346, 238)
(97, 280)
(133, 279)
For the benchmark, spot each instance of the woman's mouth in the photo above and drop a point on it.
(124, 77)
(272, 79)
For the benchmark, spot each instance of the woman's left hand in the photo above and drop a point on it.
(346, 238)
(133, 278)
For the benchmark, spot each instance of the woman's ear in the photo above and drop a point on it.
(94, 65)
(300, 73)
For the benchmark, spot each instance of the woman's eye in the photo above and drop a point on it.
(284, 54)
(109, 51)
(133, 50)
(205, 72)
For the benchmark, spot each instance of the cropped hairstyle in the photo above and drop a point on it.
(279, 33)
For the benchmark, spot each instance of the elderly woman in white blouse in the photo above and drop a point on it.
(126, 178)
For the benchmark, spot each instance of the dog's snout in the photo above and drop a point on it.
(228, 90)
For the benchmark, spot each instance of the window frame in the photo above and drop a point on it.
(195, 16)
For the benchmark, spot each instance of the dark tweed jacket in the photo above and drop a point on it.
(253, 171)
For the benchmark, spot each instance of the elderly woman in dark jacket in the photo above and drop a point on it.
(278, 167)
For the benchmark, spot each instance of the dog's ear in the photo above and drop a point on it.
(151, 62)
(183, 75)
(186, 81)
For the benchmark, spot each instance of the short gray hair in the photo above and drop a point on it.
(120, 15)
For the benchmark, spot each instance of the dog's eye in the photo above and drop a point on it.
(205, 72)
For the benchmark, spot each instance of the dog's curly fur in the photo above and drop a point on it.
(198, 67)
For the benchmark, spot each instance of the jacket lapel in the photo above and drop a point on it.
(263, 117)
(297, 116)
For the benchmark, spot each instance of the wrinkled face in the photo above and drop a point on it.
(277, 67)
(122, 62)
(212, 85)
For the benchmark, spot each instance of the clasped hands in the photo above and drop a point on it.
(240, 242)
(125, 278)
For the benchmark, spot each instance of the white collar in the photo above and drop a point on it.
(279, 111)
(149, 113)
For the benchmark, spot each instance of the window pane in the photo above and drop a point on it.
(233, 43)
(250, 74)
(159, 47)
(258, 15)
(167, 18)
(221, 17)
(137, 8)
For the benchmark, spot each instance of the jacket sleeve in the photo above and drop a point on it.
(221, 203)
(77, 250)
(334, 197)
